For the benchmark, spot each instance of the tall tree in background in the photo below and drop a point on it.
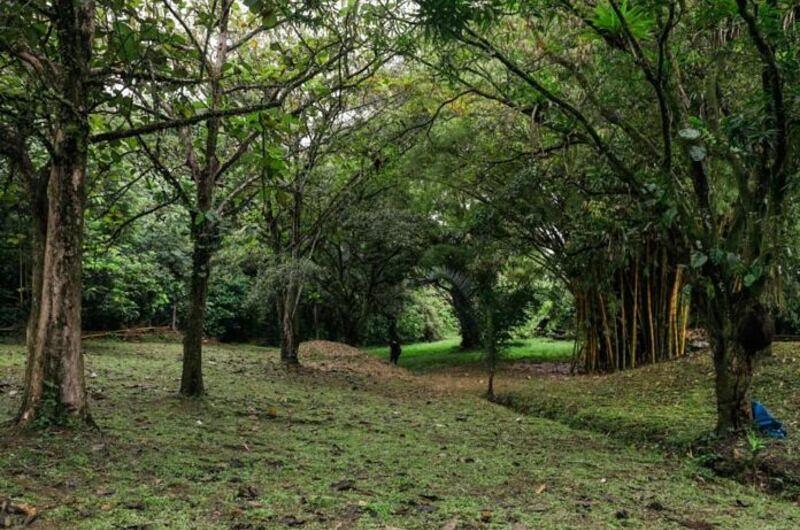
(499, 298)
(364, 260)
(299, 202)
(338, 147)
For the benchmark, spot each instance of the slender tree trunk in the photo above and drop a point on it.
(205, 226)
(54, 383)
(192, 376)
(490, 343)
(635, 317)
(290, 335)
(738, 335)
(491, 358)
(290, 339)
(34, 369)
(317, 326)
(350, 331)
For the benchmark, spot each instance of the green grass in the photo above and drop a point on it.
(670, 404)
(445, 353)
(339, 449)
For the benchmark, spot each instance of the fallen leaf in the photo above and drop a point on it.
(452, 524)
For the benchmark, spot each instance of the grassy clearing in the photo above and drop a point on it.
(337, 448)
(426, 356)
(669, 404)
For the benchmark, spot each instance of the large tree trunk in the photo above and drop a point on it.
(738, 337)
(54, 384)
(192, 376)
(470, 333)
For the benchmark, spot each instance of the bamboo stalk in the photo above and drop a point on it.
(685, 325)
(611, 359)
(673, 311)
(671, 323)
(664, 305)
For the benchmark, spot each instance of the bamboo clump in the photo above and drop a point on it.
(640, 318)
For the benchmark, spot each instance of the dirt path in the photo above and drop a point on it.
(333, 358)
(472, 379)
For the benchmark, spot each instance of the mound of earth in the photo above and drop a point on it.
(328, 356)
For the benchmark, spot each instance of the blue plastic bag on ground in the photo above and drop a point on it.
(766, 422)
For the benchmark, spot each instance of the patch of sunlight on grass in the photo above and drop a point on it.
(445, 353)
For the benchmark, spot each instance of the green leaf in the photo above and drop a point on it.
(698, 260)
(126, 41)
(697, 153)
(639, 21)
(689, 134)
(754, 273)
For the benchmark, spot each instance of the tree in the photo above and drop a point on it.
(216, 155)
(302, 197)
(500, 302)
(339, 156)
(61, 66)
(454, 258)
(367, 258)
(694, 139)
(57, 95)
